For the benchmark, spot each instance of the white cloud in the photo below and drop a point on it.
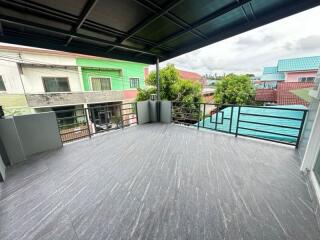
(249, 52)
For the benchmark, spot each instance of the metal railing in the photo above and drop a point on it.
(80, 123)
(276, 124)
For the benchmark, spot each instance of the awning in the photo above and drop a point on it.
(136, 30)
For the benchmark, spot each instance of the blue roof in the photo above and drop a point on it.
(272, 74)
(270, 70)
(273, 77)
(299, 64)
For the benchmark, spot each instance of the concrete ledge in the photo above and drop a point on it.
(38, 132)
(314, 191)
(165, 112)
(2, 170)
(151, 111)
(23, 136)
(11, 141)
(143, 112)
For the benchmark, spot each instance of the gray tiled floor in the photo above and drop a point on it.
(159, 182)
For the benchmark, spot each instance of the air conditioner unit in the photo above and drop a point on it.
(153, 97)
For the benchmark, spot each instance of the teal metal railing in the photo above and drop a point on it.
(275, 123)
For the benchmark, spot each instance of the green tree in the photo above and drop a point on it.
(144, 94)
(235, 89)
(187, 91)
(172, 87)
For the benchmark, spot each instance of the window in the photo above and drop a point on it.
(100, 83)
(306, 79)
(2, 86)
(134, 82)
(56, 84)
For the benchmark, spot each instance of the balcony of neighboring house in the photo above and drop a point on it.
(58, 92)
(164, 180)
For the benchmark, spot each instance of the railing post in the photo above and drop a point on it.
(87, 120)
(238, 118)
(172, 111)
(230, 127)
(217, 113)
(106, 109)
(93, 118)
(204, 114)
(121, 117)
(59, 128)
(199, 112)
(300, 128)
(136, 108)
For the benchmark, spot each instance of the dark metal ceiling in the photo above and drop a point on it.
(136, 30)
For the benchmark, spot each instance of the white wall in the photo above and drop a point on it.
(49, 59)
(32, 78)
(10, 74)
(313, 145)
(33, 72)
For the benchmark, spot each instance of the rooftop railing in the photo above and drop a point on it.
(276, 124)
(80, 123)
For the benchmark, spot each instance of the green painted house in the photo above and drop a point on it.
(105, 74)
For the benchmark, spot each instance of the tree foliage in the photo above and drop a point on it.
(144, 94)
(172, 87)
(234, 89)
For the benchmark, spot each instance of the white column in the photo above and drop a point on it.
(81, 79)
(313, 145)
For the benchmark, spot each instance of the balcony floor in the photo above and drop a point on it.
(159, 181)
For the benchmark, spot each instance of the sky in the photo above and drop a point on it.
(294, 36)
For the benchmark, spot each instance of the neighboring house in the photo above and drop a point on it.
(288, 82)
(107, 74)
(207, 91)
(293, 93)
(302, 69)
(192, 76)
(270, 78)
(35, 80)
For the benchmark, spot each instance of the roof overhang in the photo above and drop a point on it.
(136, 30)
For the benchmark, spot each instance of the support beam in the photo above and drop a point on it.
(83, 16)
(158, 79)
(146, 22)
(171, 17)
(204, 20)
(274, 15)
(30, 24)
(62, 17)
(1, 29)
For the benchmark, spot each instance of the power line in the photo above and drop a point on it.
(59, 67)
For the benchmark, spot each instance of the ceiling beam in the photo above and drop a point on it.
(54, 30)
(277, 13)
(53, 14)
(146, 22)
(27, 39)
(1, 29)
(171, 17)
(98, 28)
(203, 21)
(83, 16)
